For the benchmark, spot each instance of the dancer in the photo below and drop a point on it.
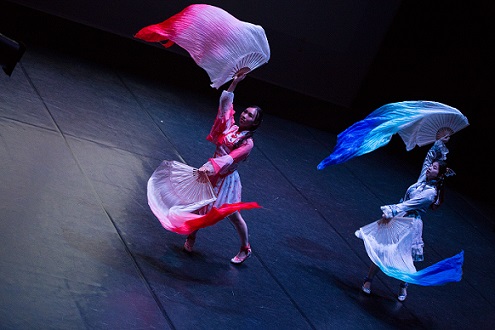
(394, 254)
(233, 145)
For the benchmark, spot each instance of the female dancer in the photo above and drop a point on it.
(426, 193)
(233, 145)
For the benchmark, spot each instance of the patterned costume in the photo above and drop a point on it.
(417, 199)
(232, 148)
(183, 215)
(394, 246)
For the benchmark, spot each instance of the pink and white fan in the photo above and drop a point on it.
(217, 41)
(178, 192)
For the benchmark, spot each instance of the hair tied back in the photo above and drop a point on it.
(449, 172)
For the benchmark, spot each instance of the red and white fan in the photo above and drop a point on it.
(177, 192)
(217, 41)
(187, 184)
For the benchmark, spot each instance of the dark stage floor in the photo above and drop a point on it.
(82, 250)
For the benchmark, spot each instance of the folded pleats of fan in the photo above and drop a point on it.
(217, 41)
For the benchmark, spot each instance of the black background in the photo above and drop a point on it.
(421, 50)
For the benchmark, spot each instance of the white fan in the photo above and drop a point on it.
(437, 121)
(181, 184)
(188, 184)
(389, 244)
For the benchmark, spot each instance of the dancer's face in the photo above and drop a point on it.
(432, 171)
(247, 118)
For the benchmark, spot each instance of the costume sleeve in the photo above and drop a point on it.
(222, 163)
(242, 152)
(225, 117)
(422, 201)
(438, 151)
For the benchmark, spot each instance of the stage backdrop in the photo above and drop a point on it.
(332, 61)
(320, 48)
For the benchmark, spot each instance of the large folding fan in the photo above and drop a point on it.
(432, 127)
(417, 122)
(177, 194)
(388, 245)
(187, 184)
(217, 41)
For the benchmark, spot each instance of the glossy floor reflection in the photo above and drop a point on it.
(82, 250)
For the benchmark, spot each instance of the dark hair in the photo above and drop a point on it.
(256, 123)
(259, 118)
(440, 181)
